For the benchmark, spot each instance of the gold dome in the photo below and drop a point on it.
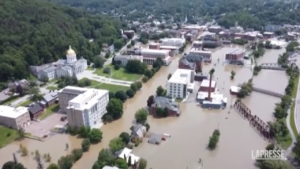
(70, 51)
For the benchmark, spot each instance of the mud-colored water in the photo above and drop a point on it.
(190, 132)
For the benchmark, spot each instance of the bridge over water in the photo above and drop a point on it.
(264, 91)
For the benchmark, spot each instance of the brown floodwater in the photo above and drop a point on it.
(190, 132)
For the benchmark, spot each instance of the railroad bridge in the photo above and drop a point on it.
(259, 126)
(272, 66)
(264, 91)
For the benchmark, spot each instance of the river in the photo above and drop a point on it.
(190, 132)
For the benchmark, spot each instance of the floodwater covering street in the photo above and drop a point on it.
(190, 131)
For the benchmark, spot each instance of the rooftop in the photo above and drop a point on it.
(205, 83)
(129, 56)
(154, 51)
(217, 96)
(127, 152)
(236, 51)
(11, 112)
(109, 167)
(168, 47)
(197, 50)
(181, 76)
(87, 99)
(163, 102)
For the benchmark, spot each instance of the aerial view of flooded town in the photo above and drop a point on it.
(193, 95)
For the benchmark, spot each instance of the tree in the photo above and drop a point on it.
(148, 73)
(121, 163)
(37, 154)
(111, 95)
(85, 145)
(77, 154)
(145, 79)
(98, 62)
(141, 116)
(139, 85)
(35, 93)
(232, 75)
(105, 157)
(121, 95)
(130, 93)
(169, 76)
(95, 136)
(116, 144)
(150, 101)
(24, 150)
(160, 91)
(115, 108)
(84, 131)
(66, 162)
(214, 139)
(125, 137)
(147, 126)
(296, 149)
(133, 87)
(129, 161)
(142, 163)
(135, 66)
(53, 166)
(67, 146)
(12, 165)
(162, 112)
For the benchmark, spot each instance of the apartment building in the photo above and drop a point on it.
(205, 54)
(150, 55)
(123, 59)
(181, 82)
(86, 108)
(14, 117)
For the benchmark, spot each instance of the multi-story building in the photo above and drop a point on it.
(15, 118)
(150, 55)
(86, 108)
(205, 54)
(123, 59)
(154, 46)
(174, 50)
(178, 42)
(205, 86)
(236, 56)
(181, 82)
(215, 29)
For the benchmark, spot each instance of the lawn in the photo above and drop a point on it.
(292, 116)
(120, 74)
(27, 102)
(50, 110)
(90, 68)
(7, 136)
(110, 87)
(52, 88)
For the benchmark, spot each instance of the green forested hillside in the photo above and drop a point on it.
(251, 14)
(33, 32)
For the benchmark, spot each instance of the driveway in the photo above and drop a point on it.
(44, 127)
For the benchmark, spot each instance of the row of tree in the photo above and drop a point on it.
(246, 89)
(93, 135)
(149, 73)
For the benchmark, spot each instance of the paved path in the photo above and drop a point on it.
(90, 75)
(109, 60)
(289, 150)
(297, 108)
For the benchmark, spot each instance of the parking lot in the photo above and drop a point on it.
(43, 128)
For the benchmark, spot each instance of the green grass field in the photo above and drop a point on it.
(7, 136)
(120, 74)
(110, 87)
(292, 116)
(50, 110)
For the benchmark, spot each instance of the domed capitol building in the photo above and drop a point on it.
(69, 67)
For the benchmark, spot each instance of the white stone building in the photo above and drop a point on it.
(69, 67)
(123, 59)
(83, 106)
(150, 55)
(181, 82)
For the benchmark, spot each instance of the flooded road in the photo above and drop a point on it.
(190, 132)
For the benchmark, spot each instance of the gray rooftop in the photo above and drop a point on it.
(193, 57)
(50, 96)
(49, 69)
(164, 102)
(155, 138)
(187, 63)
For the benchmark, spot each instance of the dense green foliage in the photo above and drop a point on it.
(12, 165)
(141, 116)
(36, 32)
(116, 144)
(254, 14)
(214, 139)
(246, 89)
